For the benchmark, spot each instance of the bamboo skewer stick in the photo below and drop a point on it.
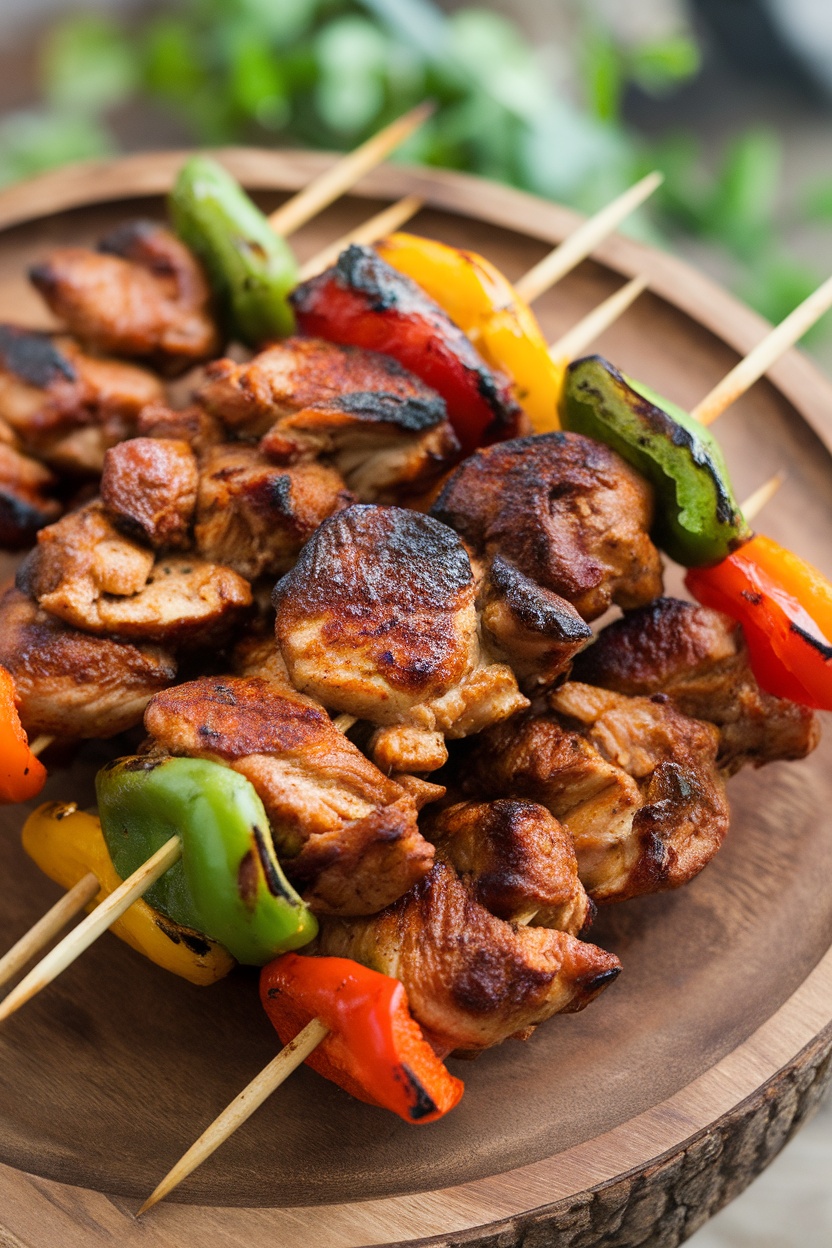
(342, 176)
(591, 326)
(41, 743)
(47, 928)
(383, 223)
(93, 926)
(241, 1108)
(766, 353)
(762, 496)
(583, 241)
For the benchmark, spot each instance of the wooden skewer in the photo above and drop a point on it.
(41, 743)
(758, 361)
(762, 496)
(88, 931)
(47, 928)
(382, 224)
(591, 326)
(583, 241)
(326, 188)
(241, 1108)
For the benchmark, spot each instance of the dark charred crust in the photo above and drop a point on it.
(421, 1102)
(823, 649)
(660, 423)
(122, 240)
(412, 414)
(20, 519)
(247, 879)
(362, 269)
(31, 355)
(199, 947)
(136, 763)
(535, 609)
(274, 883)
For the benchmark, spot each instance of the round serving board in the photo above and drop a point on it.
(627, 1124)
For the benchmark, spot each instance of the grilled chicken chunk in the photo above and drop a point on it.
(698, 657)
(520, 860)
(382, 428)
(254, 516)
(471, 978)
(634, 781)
(346, 834)
(26, 504)
(190, 424)
(89, 575)
(566, 512)
(377, 619)
(149, 488)
(71, 685)
(141, 294)
(67, 407)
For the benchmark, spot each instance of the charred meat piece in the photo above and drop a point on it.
(566, 511)
(377, 619)
(363, 302)
(26, 504)
(698, 657)
(382, 428)
(67, 407)
(141, 294)
(520, 859)
(149, 488)
(634, 781)
(71, 685)
(191, 424)
(89, 575)
(254, 516)
(346, 834)
(472, 980)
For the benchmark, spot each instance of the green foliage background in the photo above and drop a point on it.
(327, 73)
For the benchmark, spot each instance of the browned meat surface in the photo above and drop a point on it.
(26, 504)
(71, 685)
(149, 487)
(191, 424)
(65, 406)
(520, 860)
(92, 577)
(378, 620)
(345, 833)
(141, 294)
(634, 781)
(254, 516)
(471, 979)
(698, 657)
(257, 655)
(566, 512)
(382, 428)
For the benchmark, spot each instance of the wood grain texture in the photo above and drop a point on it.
(606, 1125)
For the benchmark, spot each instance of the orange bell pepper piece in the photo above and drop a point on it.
(22, 775)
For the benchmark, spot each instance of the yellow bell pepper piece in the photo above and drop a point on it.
(485, 305)
(67, 843)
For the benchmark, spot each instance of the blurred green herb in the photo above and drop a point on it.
(328, 73)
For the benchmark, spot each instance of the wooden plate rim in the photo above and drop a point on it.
(641, 1141)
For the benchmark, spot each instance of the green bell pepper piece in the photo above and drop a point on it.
(698, 519)
(250, 267)
(228, 883)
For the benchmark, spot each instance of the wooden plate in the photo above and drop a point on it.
(627, 1124)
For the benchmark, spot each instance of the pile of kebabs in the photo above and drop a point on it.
(351, 572)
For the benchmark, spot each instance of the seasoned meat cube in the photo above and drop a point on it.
(382, 428)
(363, 302)
(149, 488)
(25, 503)
(698, 657)
(257, 655)
(254, 516)
(377, 619)
(346, 834)
(67, 407)
(191, 424)
(142, 294)
(71, 685)
(471, 979)
(521, 861)
(633, 780)
(85, 572)
(566, 511)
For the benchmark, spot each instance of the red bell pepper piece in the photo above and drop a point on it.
(21, 774)
(375, 1049)
(364, 302)
(790, 653)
